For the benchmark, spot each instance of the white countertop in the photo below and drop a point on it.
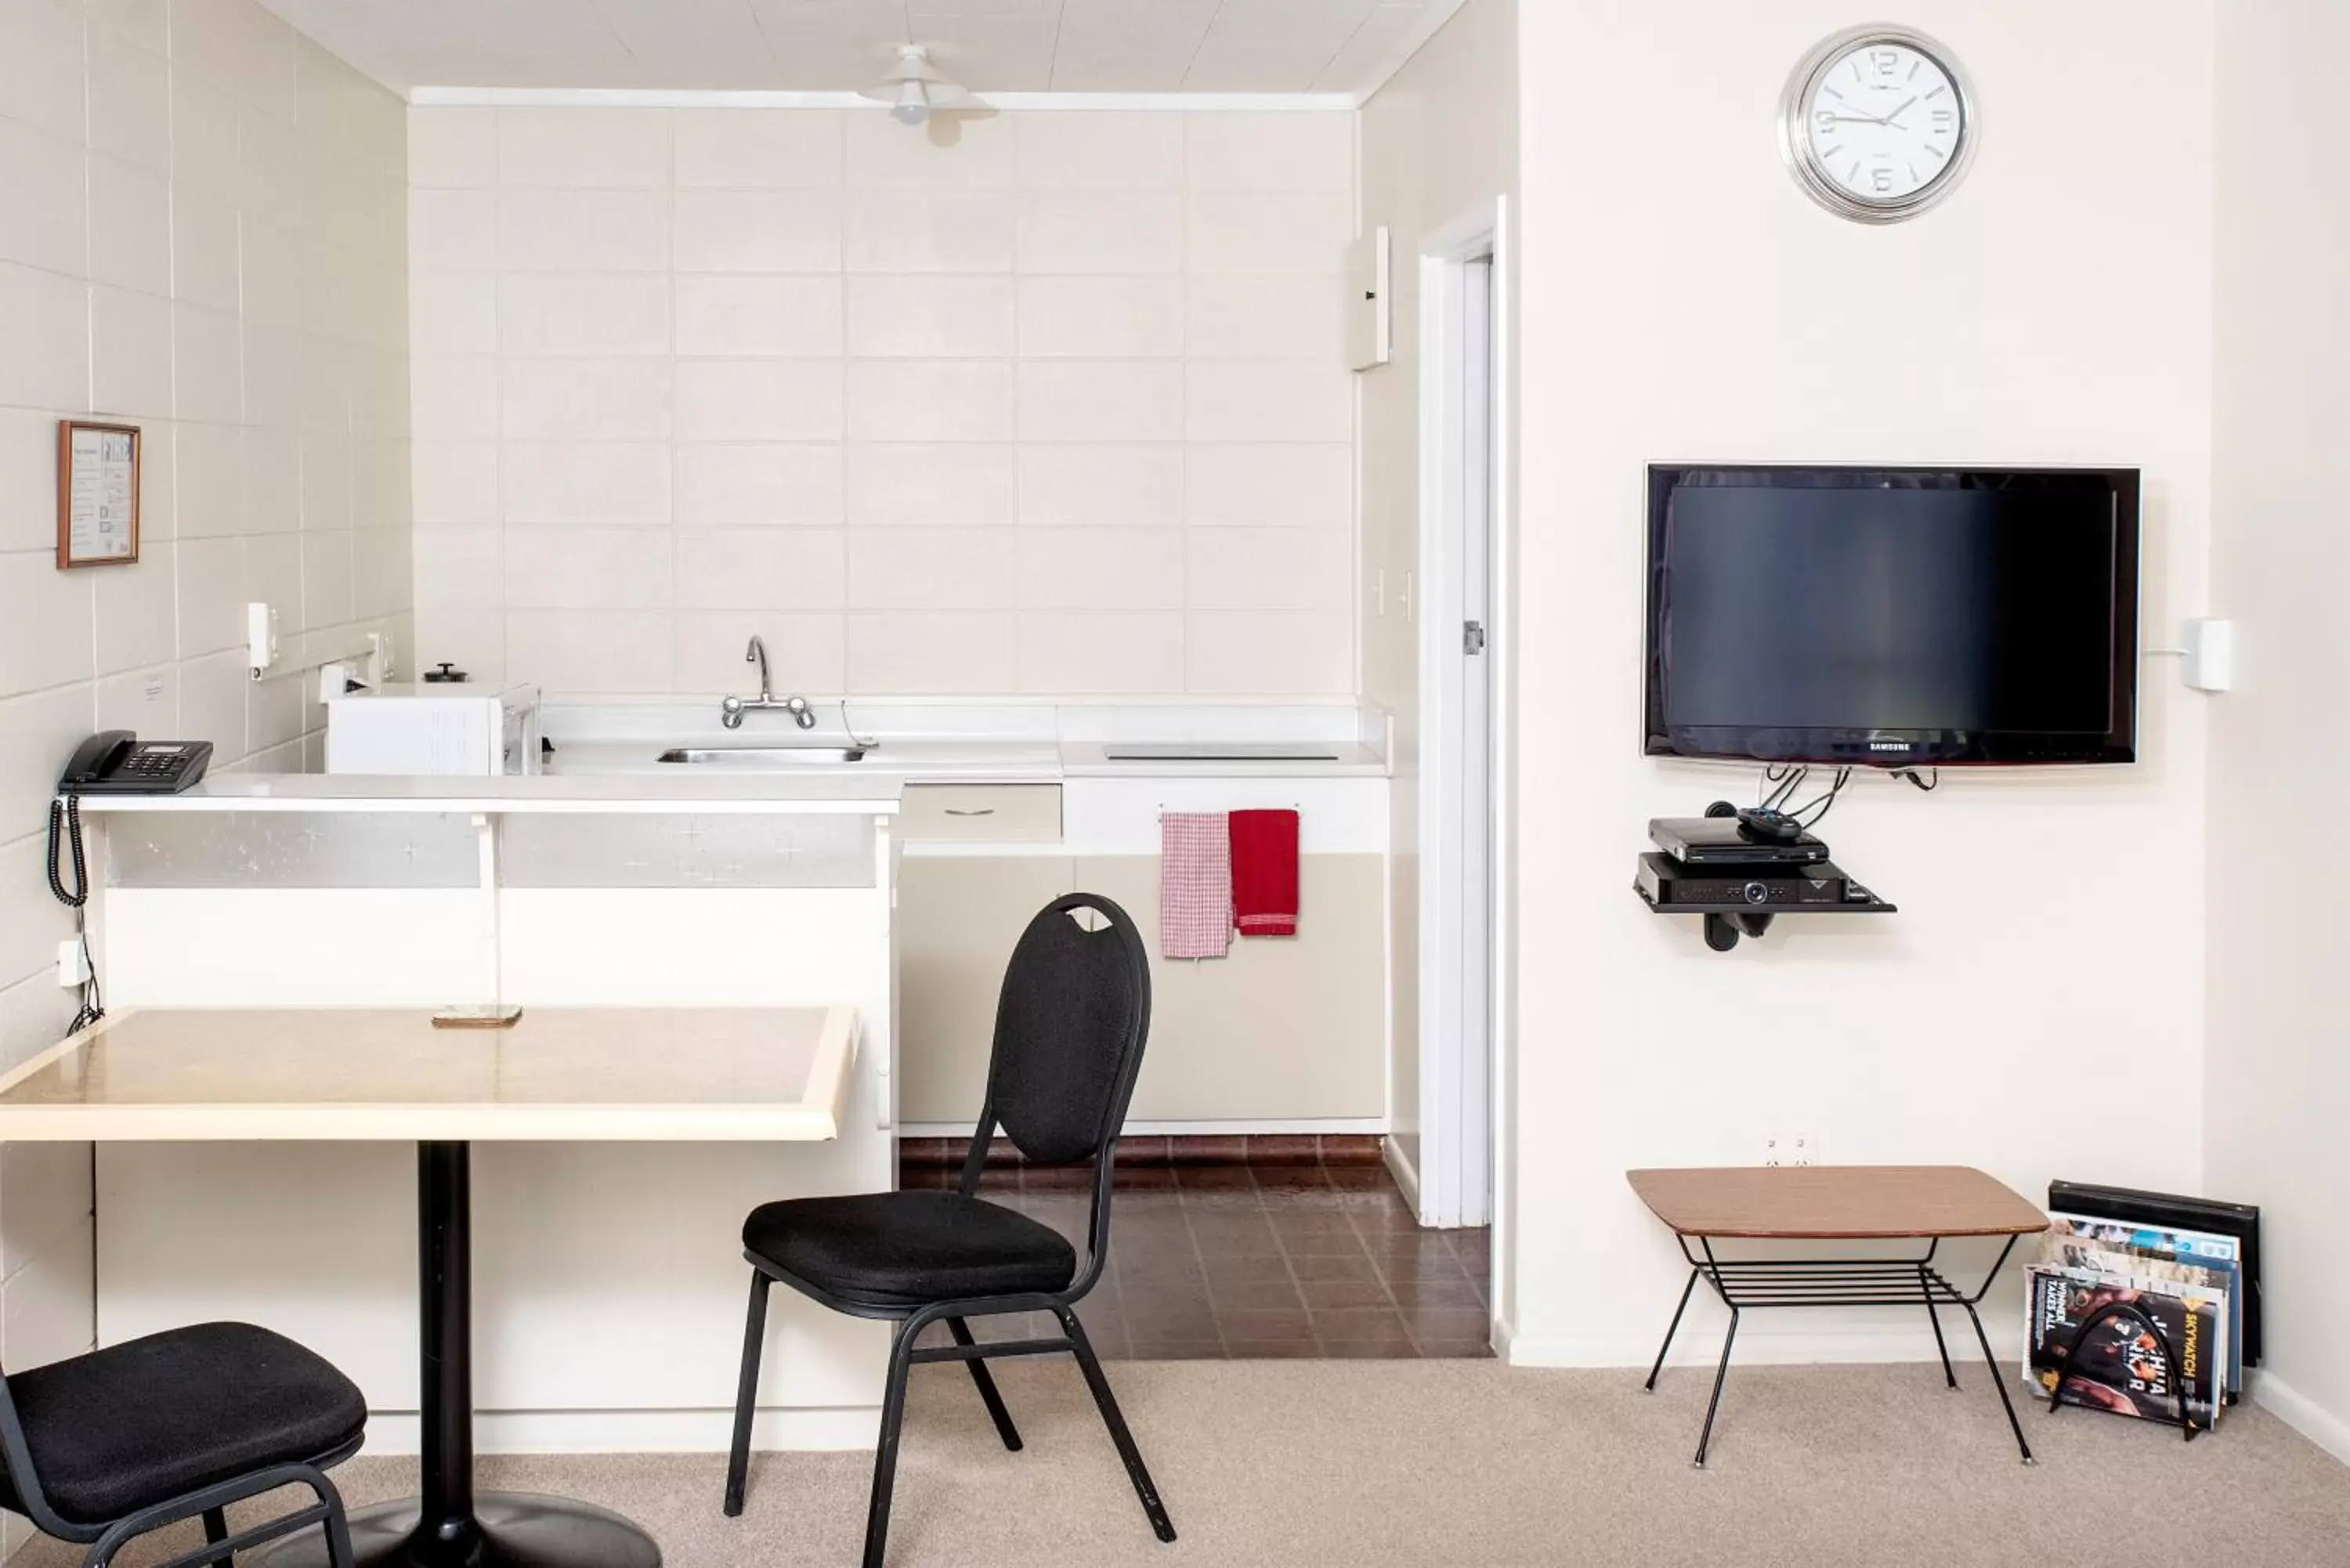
(980, 741)
(956, 761)
(829, 790)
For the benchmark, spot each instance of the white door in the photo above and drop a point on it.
(1459, 696)
(1473, 687)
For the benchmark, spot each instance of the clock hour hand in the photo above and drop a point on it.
(1897, 113)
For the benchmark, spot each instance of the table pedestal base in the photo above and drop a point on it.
(468, 1530)
(511, 1530)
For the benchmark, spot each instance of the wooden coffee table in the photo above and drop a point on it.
(1928, 1203)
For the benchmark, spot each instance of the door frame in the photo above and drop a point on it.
(1462, 1170)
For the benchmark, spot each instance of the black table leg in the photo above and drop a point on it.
(448, 1526)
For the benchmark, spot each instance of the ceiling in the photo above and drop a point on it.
(834, 45)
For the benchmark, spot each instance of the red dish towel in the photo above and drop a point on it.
(1265, 873)
(1195, 885)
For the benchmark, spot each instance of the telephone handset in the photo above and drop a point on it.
(114, 762)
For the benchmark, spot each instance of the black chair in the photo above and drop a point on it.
(1069, 1031)
(103, 1447)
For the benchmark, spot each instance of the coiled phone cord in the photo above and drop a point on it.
(66, 812)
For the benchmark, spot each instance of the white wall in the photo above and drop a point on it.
(1686, 301)
(2277, 1078)
(1440, 141)
(1032, 402)
(203, 232)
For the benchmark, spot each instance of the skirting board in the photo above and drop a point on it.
(1142, 1127)
(2302, 1414)
(638, 1431)
(1398, 1164)
(1697, 1346)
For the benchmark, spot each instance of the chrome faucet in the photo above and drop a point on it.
(732, 708)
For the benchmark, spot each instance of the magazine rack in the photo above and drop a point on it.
(2064, 1373)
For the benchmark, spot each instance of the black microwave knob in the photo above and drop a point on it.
(1757, 892)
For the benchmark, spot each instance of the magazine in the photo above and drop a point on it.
(2120, 1367)
(2164, 1252)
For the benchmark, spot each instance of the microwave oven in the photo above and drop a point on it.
(439, 727)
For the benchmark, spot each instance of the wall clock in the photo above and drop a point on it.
(1878, 123)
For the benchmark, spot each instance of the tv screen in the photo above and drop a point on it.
(1895, 616)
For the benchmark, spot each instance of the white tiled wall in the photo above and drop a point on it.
(203, 232)
(1051, 403)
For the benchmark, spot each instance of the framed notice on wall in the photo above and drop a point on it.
(98, 494)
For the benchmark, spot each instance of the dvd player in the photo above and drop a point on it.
(1668, 885)
(1722, 841)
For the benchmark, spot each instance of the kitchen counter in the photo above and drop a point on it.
(982, 742)
(957, 761)
(599, 791)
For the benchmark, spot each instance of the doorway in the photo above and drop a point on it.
(1464, 672)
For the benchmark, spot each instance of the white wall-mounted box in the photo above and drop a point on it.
(1370, 313)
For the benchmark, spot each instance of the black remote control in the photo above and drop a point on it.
(1760, 821)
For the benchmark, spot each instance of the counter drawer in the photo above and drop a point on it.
(1020, 814)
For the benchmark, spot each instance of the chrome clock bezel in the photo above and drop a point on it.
(1795, 125)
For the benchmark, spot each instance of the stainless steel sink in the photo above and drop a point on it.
(764, 756)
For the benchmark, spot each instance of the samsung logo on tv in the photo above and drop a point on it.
(1888, 745)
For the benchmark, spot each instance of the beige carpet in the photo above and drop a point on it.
(1469, 1463)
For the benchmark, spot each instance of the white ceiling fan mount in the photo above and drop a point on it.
(914, 87)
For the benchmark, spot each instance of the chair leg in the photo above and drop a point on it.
(1090, 1365)
(885, 1452)
(338, 1528)
(987, 1394)
(746, 1393)
(217, 1532)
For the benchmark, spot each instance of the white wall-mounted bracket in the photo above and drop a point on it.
(1370, 312)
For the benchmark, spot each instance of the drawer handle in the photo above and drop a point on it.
(970, 811)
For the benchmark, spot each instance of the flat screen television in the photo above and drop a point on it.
(1894, 616)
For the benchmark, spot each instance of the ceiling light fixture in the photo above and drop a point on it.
(913, 86)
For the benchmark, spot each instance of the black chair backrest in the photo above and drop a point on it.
(1069, 1031)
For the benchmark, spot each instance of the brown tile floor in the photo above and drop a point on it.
(1239, 1261)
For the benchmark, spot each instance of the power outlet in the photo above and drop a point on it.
(73, 963)
(1791, 1149)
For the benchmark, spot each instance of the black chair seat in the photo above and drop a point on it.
(141, 1423)
(907, 1249)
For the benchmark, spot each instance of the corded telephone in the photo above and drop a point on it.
(112, 762)
(116, 762)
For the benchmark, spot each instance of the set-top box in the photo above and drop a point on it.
(1668, 885)
(1724, 841)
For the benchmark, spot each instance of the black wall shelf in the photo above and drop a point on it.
(1725, 923)
(1739, 900)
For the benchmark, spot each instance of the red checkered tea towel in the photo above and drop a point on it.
(1195, 883)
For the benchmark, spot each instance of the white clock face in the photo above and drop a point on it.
(1884, 125)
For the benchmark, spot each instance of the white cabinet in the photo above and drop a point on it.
(1287, 1030)
(958, 919)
